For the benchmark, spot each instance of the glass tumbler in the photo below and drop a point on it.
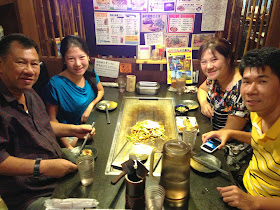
(86, 169)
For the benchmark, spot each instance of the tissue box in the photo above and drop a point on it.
(147, 88)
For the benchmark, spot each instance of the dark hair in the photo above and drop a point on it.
(220, 45)
(70, 41)
(6, 41)
(259, 58)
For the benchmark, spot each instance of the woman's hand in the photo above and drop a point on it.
(87, 113)
(207, 109)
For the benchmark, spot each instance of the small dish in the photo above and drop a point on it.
(211, 159)
(191, 104)
(181, 109)
(76, 150)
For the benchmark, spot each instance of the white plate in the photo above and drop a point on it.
(180, 125)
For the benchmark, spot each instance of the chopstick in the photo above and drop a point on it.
(84, 143)
(210, 165)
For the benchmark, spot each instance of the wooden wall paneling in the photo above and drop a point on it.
(243, 22)
(250, 26)
(58, 20)
(272, 35)
(45, 33)
(71, 15)
(52, 28)
(28, 19)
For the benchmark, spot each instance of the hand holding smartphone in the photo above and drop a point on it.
(211, 145)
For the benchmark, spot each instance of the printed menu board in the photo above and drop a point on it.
(162, 5)
(189, 6)
(112, 28)
(127, 5)
(180, 23)
(153, 22)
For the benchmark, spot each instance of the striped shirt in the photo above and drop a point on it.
(225, 102)
(262, 176)
(26, 135)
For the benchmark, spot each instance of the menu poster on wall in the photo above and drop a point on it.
(179, 64)
(162, 5)
(106, 68)
(153, 38)
(199, 39)
(112, 28)
(176, 40)
(180, 23)
(214, 15)
(189, 6)
(127, 5)
(153, 22)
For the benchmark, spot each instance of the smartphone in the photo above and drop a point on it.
(211, 145)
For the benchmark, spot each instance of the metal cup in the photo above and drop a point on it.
(86, 169)
(134, 194)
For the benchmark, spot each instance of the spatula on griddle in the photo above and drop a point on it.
(128, 168)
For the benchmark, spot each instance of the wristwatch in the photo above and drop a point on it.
(36, 173)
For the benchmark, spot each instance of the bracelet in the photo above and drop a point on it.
(36, 173)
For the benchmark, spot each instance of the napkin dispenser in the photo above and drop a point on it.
(147, 88)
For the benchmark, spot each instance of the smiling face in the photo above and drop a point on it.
(77, 61)
(214, 65)
(260, 90)
(20, 69)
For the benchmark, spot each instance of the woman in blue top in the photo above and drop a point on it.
(73, 93)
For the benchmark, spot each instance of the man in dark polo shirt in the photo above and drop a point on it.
(30, 157)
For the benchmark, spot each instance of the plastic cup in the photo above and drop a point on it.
(154, 196)
(121, 83)
(180, 85)
(86, 169)
(189, 136)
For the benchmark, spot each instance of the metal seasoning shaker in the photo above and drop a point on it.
(175, 174)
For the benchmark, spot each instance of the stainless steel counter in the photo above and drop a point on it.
(203, 193)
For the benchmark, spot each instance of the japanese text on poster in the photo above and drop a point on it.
(179, 64)
(214, 15)
(176, 40)
(127, 5)
(153, 22)
(180, 23)
(154, 38)
(106, 68)
(189, 6)
(112, 28)
(162, 5)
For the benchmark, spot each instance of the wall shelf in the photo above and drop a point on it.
(149, 61)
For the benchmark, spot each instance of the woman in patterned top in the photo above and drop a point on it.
(219, 95)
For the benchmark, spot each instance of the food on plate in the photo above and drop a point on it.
(173, 29)
(181, 8)
(87, 152)
(181, 109)
(147, 131)
(186, 123)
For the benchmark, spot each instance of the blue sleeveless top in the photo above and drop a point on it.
(71, 99)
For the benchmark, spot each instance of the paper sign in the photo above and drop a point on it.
(153, 38)
(106, 68)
